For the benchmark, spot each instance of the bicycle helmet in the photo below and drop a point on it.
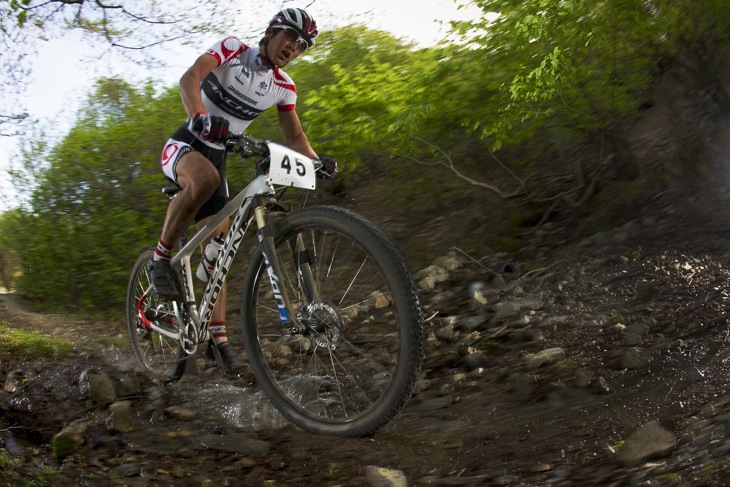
(299, 21)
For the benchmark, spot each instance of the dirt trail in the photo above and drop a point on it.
(641, 323)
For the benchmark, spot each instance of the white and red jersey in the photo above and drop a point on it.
(242, 86)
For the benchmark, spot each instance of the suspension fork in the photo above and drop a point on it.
(303, 258)
(273, 267)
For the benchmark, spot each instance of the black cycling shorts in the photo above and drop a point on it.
(184, 141)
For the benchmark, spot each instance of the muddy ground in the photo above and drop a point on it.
(635, 320)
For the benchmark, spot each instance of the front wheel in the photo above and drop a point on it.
(354, 366)
(159, 354)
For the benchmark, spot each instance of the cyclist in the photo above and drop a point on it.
(224, 90)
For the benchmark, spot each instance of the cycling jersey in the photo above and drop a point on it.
(242, 86)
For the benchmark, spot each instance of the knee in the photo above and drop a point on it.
(201, 186)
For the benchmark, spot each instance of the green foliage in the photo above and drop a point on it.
(97, 204)
(19, 342)
(365, 91)
(575, 65)
(537, 71)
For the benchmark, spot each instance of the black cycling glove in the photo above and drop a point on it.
(211, 127)
(328, 169)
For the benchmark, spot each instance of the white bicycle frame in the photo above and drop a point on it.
(288, 168)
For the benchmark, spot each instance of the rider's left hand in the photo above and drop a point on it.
(328, 169)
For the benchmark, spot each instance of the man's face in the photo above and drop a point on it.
(284, 46)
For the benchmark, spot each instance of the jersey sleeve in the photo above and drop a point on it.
(226, 49)
(288, 99)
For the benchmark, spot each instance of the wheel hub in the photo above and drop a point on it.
(324, 325)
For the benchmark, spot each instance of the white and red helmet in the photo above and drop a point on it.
(297, 20)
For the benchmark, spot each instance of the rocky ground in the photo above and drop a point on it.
(603, 362)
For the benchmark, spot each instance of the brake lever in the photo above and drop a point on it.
(244, 152)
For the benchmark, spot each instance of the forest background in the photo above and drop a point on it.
(530, 111)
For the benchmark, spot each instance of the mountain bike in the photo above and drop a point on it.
(330, 316)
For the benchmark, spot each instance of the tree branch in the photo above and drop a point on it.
(450, 165)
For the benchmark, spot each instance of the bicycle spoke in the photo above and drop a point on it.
(159, 354)
(352, 363)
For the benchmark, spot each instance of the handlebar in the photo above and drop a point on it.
(246, 145)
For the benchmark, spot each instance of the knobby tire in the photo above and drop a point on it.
(355, 367)
(161, 356)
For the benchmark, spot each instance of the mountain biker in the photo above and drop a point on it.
(224, 90)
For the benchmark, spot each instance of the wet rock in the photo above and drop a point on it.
(10, 444)
(97, 386)
(445, 333)
(631, 359)
(450, 261)
(235, 443)
(554, 322)
(385, 477)
(648, 442)
(9, 386)
(433, 404)
(474, 360)
(154, 398)
(422, 385)
(181, 413)
(577, 308)
(68, 440)
(583, 378)
(639, 329)
(379, 300)
(631, 339)
(127, 470)
(455, 378)
(121, 419)
(545, 357)
(430, 276)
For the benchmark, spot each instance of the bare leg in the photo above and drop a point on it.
(198, 179)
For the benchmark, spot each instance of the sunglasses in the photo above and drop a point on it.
(293, 36)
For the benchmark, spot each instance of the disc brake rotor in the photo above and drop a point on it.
(324, 325)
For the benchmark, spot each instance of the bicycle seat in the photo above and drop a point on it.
(171, 191)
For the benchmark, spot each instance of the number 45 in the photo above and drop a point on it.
(286, 164)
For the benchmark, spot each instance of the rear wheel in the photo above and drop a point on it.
(159, 354)
(354, 366)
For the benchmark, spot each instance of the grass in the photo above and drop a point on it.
(24, 343)
(21, 473)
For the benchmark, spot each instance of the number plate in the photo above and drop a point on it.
(290, 168)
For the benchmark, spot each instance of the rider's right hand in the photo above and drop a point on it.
(211, 127)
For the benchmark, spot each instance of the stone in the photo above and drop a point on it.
(68, 440)
(648, 442)
(236, 443)
(181, 413)
(97, 386)
(545, 357)
(385, 477)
